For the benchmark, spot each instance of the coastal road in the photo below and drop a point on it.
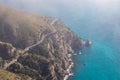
(29, 47)
(11, 62)
(43, 37)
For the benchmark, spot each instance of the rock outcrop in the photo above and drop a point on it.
(48, 60)
(88, 43)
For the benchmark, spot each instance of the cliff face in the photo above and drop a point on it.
(41, 44)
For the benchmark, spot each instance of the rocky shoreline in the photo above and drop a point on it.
(68, 71)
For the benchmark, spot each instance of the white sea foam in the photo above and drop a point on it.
(69, 71)
(80, 52)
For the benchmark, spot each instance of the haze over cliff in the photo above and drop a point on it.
(34, 46)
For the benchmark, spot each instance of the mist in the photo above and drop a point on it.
(88, 16)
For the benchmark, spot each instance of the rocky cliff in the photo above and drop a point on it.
(42, 45)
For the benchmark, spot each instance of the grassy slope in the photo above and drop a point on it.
(5, 75)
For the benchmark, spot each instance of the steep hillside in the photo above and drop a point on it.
(5, 75)
(42, 45)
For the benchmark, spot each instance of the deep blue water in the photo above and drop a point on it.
(100, 24)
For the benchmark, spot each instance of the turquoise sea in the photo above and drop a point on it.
(101, 60)
(99, 22)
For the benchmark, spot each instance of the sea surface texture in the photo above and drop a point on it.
(97, 20)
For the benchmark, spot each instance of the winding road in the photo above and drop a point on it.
(43, 37)
(29, 47)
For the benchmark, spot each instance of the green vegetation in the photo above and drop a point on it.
(25, 77)
(5, 75)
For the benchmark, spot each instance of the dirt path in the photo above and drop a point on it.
(29, 47)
